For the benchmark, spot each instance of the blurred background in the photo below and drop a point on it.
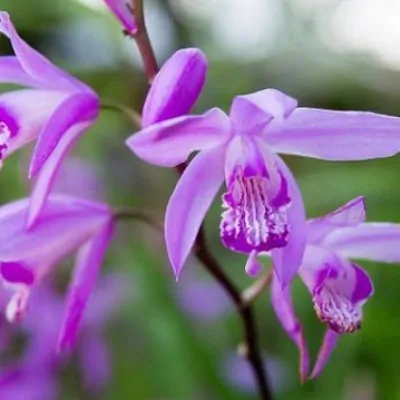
(146, 337)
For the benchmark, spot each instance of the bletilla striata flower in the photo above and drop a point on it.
(67, 224)
(339, 288)
(55, 109)
(123, 11)
(263, 207)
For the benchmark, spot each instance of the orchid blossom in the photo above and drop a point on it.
(26, 256)
(339, 288)
(263, 207)
(55, 110)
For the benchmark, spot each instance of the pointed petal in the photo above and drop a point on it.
(336, 135)
(339, 288)
(25, 112)
(80, 107)
(350, 214)
(283, 307)
(189, 203)
(122, 9)
(176, 87)
(35, 64)
(373, 241)
(84, 278)
(12, 72)
(328, 345)
(65, 224)
(287, 260)
(251, 113)
(170, 143)
(48, 173)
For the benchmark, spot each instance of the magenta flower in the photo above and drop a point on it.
(124, 12)
(55, 110)
(65, 225)
(339, 287)
(263, 207)
(93, 354)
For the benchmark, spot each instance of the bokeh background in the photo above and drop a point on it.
(173, 341)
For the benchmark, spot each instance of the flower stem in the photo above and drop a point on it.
(143, 42)
(245, 311)
(132, 115)
(139, 214)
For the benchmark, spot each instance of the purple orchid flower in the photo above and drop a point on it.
(263, 207)
(123, 11)
(35, 374)
(93, 354)
(339, 287)
(55, 110)
(65, 225)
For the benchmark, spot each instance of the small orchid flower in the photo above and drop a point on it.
(66, 224)
(263, 207)
(339, 288)
(123, 11)
(55, 110)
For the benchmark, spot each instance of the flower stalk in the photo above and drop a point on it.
(137, 214)
(244, 310)
(143, 41)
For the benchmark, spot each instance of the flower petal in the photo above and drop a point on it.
(35, 64)
(65, 224)
(350, 214)
(77, 108)
(287, 260)
(176, 87)
(328, 345)
(48, 173)
(190, 202)
(336, 135)
(251, 113)
(25, 112)
(169, 143)
(86, 271)
(122, 9)
(369, 241)
(12, 72)
(283, 306)
(339, 288)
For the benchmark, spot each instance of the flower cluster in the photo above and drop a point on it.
(262, 210)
